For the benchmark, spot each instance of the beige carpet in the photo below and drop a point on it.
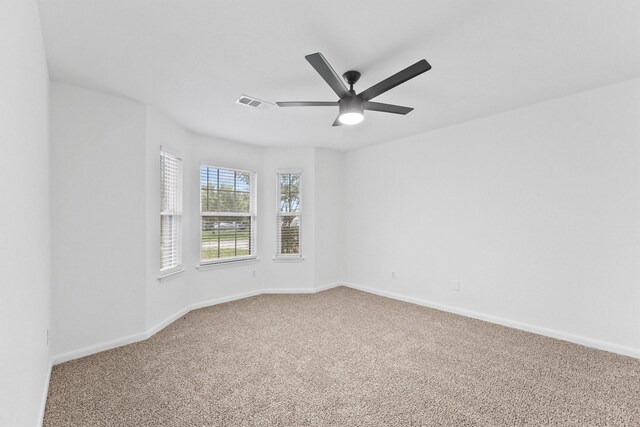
(343, 358)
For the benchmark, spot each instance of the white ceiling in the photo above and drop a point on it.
(193, 58)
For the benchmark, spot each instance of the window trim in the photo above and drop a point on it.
(166, 273)
(253, 214)
(231, 264)
(170, 276)
(289, 257)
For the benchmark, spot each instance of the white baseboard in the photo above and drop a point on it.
(76, 354)
(552, 333)
(222, 300)
(97, 348)
(300, 290)
(166, 322)
(87, 351)
(45, 393)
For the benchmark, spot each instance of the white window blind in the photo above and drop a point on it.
(228, 214)
(170, 212)
(289, 200)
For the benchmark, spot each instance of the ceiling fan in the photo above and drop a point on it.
(351, 105)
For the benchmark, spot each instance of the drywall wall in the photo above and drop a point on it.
(25, 225)
(98, 217)
(536, 212)
(330, 217)
(219, 282)
(510, 206)
(212, 284)
(297, 274)
(166, 298)
(106, 197)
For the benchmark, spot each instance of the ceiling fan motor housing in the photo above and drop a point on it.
(352, 104)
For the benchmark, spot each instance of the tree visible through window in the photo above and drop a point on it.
(227, 214)
(289, 214)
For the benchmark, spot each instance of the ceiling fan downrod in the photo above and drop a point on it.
(351, 78)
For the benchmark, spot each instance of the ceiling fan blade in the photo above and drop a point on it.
(337, 122)
(386, 108)
(323, 68)
(307, 104)
(395, 80)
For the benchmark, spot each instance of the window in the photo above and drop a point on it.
(289, 214)
(170, 212)
(228, 214)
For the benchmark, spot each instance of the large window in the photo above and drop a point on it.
(228, 214)
(289, 214)
(170, 212)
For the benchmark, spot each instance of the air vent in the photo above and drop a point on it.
(252, 102)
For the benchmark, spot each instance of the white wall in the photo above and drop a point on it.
(24, 224)
(98, 217)
(108, 293)
(217, 283)
(298, 274)
(330, 223)
(536, 211)
(169, 297)
(222, 282)
(513, 206)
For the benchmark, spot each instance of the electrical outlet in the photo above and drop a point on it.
(393, 274)
(455, 285)
(253, 273)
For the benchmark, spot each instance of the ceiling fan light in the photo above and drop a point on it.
(351, 118)
(351, 111)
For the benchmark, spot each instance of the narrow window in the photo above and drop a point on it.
(289, 199)
(228, 214)
(170, 212)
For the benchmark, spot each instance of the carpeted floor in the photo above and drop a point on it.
(343, 358)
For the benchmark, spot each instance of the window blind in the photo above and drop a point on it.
(228, 214)
(289, 216)
(170, 212)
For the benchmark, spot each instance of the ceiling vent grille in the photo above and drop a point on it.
(252, 102)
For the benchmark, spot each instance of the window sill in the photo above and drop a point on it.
(289, 259)
(227, 264)
(169, 276)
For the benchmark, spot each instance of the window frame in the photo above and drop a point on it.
(279, 214)
(170, 271)
(253, 215)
